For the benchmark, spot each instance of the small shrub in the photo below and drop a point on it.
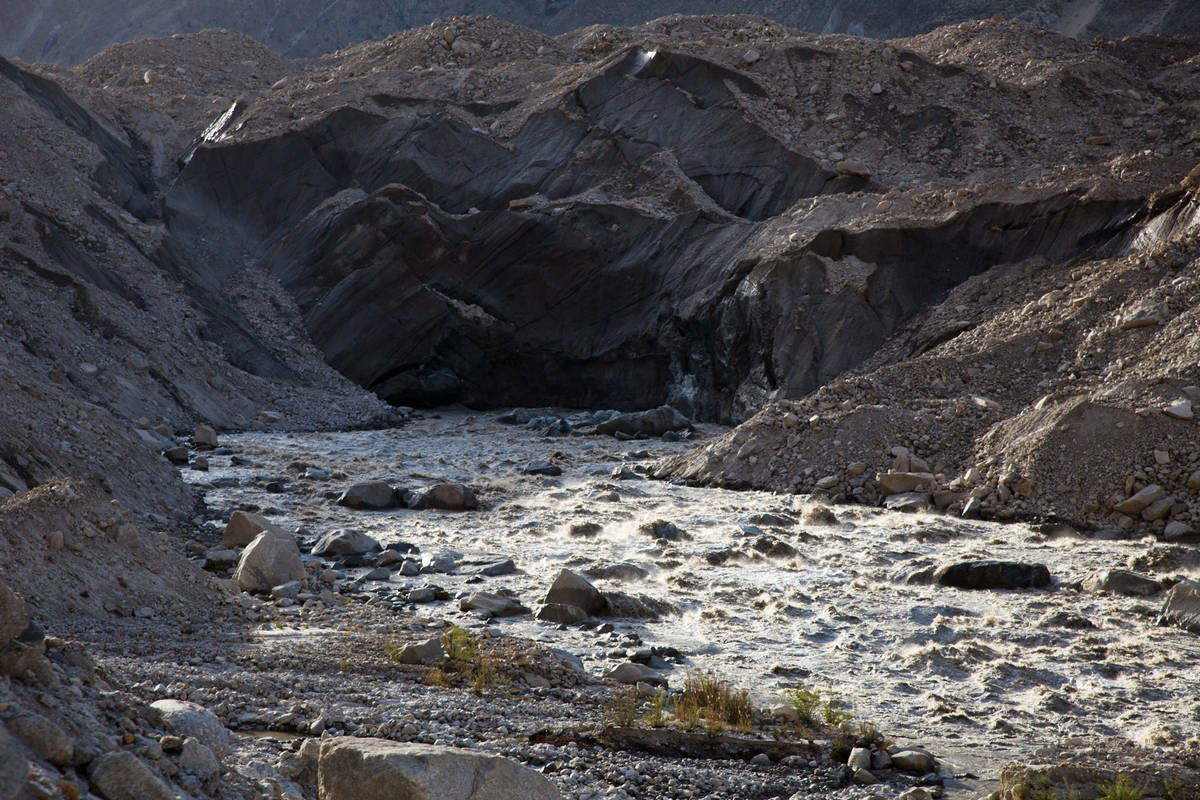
(436, 677)
(623, 713)
(459, 644)
(715, 702)
(835, 714)
(656, 716)
(867, 735)
(484, 677)
(687, 715)
(841, 742)
(806, 702)
(391, 651)
(1123, 789)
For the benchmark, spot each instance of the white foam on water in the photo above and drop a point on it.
(994, 673)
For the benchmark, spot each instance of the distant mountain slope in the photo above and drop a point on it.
(62, 32)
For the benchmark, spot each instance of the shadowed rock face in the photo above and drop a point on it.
(610, 253)
(797, 320)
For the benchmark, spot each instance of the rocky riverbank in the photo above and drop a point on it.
(979, 666)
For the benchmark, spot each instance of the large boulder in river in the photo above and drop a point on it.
(243, 526)
(270, 560)
(571, 589)
(654, 422)
(1181, 606)
(992, 575)
(184, 718)
(375, 769)
(370, 496)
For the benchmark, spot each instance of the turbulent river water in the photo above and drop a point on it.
(979, 677)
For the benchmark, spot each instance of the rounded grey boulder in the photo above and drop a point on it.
(376, 769)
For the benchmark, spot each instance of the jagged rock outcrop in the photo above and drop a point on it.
(655, 224)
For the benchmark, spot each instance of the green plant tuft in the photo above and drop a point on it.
(715, 703)
(1123, 788)
(623, 713)
(459, 644)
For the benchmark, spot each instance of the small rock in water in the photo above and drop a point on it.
(630, 673)
(1120, 581)
(495, 605)
(662, 529)
(422, 595)
(654, 422)
(624, 473)
(343, 542)
(446, 497)
(819, 515)
(503, 566)
(909, 501)
(993, 575)
(585, 529)
(444, 561)
(562, 614)
(917, 762)
(542, 468)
